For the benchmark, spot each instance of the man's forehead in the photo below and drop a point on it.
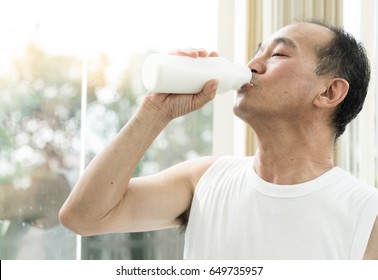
(310, 34)
(278, 40)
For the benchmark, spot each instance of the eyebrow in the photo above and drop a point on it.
(279, 40)
(286, 41)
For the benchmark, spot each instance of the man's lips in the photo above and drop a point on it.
(246, 86)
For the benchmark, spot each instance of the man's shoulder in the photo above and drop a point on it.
(371, 252)
(348, 180)
(229, 163)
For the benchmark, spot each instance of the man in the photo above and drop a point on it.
(286, 202)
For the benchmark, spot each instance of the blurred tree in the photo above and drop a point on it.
(40, 138)
(40, 120)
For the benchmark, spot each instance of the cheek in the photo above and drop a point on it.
(291, 82)
(281, 90)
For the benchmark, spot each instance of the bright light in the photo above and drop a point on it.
(110, 26)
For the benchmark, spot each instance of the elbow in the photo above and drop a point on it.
(71, 220)
(67, 219)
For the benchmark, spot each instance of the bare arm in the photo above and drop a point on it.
(106, 199)
(371, 252)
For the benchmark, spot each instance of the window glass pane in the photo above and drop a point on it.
(115, 56)
(39, 134)
(41, 62)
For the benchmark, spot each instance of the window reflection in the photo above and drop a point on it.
(41, 59)
(39, 149)
(39, 159)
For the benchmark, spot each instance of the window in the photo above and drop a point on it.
(358, 146)
(69, 80)
(40, 128)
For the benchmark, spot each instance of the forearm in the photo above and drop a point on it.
(102, 189)
(104, 183)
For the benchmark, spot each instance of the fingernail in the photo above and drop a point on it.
(215, 85)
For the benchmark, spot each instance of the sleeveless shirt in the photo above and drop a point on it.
(237, 215)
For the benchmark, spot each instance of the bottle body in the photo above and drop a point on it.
(185, 75)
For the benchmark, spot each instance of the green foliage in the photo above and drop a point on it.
(40, 122)
(40, 101)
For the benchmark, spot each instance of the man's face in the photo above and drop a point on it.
(284, 81)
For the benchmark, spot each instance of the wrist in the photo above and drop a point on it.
(152, 109)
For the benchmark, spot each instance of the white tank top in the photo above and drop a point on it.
(237, 215)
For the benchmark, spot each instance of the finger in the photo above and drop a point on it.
(178, 52)
(214, 54)
(202, 52)
(173, 52)
(191, 52)
(210, 88)
(206, 95)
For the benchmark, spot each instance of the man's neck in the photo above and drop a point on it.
(288, 156)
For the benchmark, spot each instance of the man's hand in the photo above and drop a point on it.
(170, 106)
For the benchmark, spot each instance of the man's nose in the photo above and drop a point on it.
(257, 65)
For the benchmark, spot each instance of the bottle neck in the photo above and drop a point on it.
(242, 75)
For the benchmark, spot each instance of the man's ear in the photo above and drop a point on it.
(333, 95)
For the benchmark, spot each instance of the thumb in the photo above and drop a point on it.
(207, 94)
(210, 89)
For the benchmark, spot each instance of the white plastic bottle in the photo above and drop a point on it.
(165, 73)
